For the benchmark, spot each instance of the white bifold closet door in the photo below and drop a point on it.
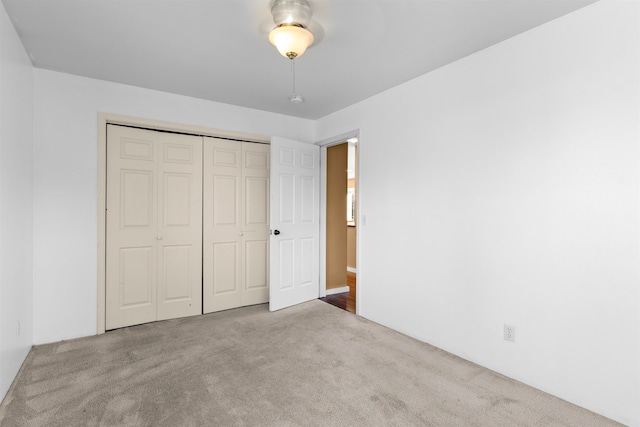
(154, 226)
(236, 224)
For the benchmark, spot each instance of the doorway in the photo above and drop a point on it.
(341, 225)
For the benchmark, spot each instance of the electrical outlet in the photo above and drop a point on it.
(509, 333)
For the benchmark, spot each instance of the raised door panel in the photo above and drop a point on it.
(256, 199)
(225, 194)
(226, 266)
(131, 219)
(287, 262)
(179, 234)
(256, 265)
(136, 199)
(287, 190)
(177, 200)
(136, 277)
(175, 277)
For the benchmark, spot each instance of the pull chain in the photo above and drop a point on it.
(293, 74)
(294, 98)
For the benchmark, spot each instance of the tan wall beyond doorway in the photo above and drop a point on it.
(351, 246)
(337, 216)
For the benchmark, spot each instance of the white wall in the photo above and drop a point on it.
(65, 182)
(16, 206)
(508, 181)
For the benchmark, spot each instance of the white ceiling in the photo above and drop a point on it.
(219, 49)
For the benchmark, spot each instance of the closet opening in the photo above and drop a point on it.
(164, 178)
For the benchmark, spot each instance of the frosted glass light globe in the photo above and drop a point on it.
(290, 40)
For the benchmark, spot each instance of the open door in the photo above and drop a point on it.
(295, 223)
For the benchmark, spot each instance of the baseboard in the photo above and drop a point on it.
(352, 270)
(338, 290)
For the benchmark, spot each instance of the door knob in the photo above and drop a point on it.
(276, 232)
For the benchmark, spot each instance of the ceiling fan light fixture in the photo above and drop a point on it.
(291, 36)
(291, 40)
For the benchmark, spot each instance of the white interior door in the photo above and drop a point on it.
(295, 225)
(236, 224)
(154, 226)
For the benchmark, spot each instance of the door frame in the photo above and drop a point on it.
(103, 120)
(324, 144)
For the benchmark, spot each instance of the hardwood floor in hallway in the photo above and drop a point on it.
(345, 300)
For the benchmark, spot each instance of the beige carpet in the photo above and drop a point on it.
(310, 365)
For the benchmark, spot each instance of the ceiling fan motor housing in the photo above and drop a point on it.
(291, 12)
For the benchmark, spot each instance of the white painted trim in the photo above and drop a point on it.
(102, 224)
(359, 232)
(323, 222)
(180, 127)
(338, 290)
(339, 139)
(351, 269)
(103, 120)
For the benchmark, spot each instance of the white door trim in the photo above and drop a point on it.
(324, 144)
(107, 118)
